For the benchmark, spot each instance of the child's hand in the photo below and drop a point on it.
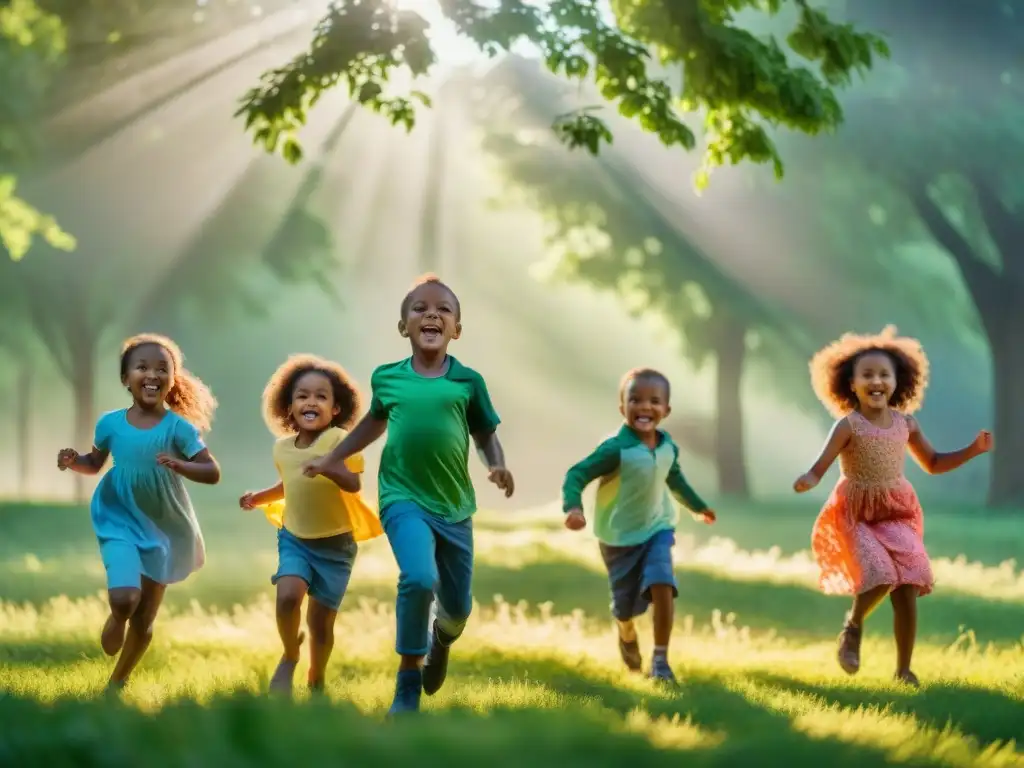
(706, 516)
(575, 520)
(502, 478)
(984, 442)
(248, 500)
(314, 468)
(805, 483)
(172, 463)
(66, 457)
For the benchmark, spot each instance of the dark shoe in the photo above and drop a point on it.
(661, 671)
(407, 692)
(849, 648)
(435, 666)
(630, 653)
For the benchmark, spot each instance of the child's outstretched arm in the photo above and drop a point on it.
(603, 461)
(367, 431)
(492, 454)
(84, 464)
(201, 468)
(838, 439)
(253, 499)
(935, 463)
(684, 494)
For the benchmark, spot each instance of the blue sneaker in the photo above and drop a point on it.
(435, 667)
(661, 671)
(407, 692)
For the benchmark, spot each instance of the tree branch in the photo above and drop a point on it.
(984, 285)
(1005, 228)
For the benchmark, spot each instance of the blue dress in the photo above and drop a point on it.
(141, 512)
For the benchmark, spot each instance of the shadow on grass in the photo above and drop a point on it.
(987, 715)
(793, 611)
(247, 730)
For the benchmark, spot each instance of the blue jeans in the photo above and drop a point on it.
(632, 571)
(435, 559)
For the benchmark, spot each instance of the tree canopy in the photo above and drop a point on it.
(743, 85)
(31, 47)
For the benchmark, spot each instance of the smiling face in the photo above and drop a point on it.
(874, 380)
(313, 407)
(432, 318)
(645, 404)
(149, 375)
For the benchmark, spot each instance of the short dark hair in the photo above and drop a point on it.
(430, 279)
(644, 374)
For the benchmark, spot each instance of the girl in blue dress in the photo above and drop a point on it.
(147, 530)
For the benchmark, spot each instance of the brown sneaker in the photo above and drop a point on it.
(849, 648)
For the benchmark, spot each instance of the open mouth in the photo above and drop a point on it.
(876, 392)
(430, 332)
(643, 421)
(310, 416)
(151, 388)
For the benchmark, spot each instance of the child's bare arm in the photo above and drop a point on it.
(201, 468)
(935, 463)
(838, 439)
(84, 464)
(367, 431)
(343, 477)
(269, 495)
(492, 454)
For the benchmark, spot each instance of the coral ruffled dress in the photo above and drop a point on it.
(871, 530)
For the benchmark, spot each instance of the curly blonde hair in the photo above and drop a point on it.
(277, 395)
(832, 370)
(188, 396)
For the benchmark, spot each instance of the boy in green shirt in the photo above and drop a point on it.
(634, 518)
(430, 405)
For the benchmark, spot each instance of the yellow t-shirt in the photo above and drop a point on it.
(315, 507)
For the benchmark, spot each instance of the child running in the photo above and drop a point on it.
(634, 519)
(868, 539)
(430, 404)
(308, 403)
(147, 530)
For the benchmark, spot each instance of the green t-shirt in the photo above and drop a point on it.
(430, 420)
(633, 498)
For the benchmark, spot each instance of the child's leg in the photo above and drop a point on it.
(454, 597)
(332, 563)
(320, 620)
(412, 541)
(659, 586)
(904, 621)
(123, 566)
(293, 577)
(625, 567)
(140, 631)
(849, 639)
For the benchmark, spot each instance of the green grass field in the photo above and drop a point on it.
(537, 675)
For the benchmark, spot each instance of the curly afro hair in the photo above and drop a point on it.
(188, 396)
(277, 395)
(832, 370)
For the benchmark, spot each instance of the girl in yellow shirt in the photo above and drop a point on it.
(309, 403)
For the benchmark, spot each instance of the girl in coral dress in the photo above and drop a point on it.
(868, 540)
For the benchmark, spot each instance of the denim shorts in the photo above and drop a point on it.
(632, 571)
(324, 564)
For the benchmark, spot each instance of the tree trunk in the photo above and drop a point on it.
(430, 255)
(84, 387)
(23, 428)
(1006, 483)
(730, 457)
